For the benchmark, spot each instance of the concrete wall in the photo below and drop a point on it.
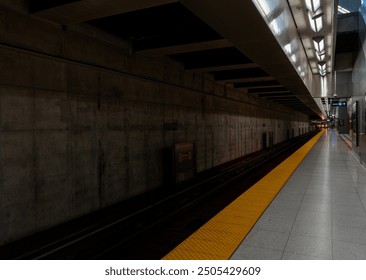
(358, 92)
(85, 123)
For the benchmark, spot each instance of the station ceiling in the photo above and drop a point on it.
(228, 39)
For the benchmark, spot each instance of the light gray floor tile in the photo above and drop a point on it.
(355, 203)
(349, 234)
(290, 256)
(349, 221)
(266, 239)
(313, 216)
(344, 195)
(254, 253)
(282, 208)
(316, 206)
(309, 228)
(274, 224)
(319, 181)
(319, 188)
(348, 210)
(293, 190)
(343, 189)
(286, 204)
(361, 192)
(303, 172)
(290, 196)
(279, 214)
(310, 246)
(348, 251)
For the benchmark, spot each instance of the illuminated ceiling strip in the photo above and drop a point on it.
(343, 10)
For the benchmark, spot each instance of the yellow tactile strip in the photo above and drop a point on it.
(220, 236)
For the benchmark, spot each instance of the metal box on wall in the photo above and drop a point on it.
(184, 161)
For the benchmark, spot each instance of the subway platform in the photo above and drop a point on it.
(316, 211)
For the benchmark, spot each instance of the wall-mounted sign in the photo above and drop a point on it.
(339, 103)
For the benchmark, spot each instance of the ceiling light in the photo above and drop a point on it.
(319, 44)
(343, 10)
(315, 13)
(312, 5)
(288, 48)
(320, 56)
(316, 24)
(293, 58)
(322, 66)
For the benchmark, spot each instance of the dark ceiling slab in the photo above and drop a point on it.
(272, 89)
(347, 42)
(72, 12)
(211, 58)
(157, 27)
(239, 74)
(279, 94)
(256, 84)
(187, 48)
(39, 5)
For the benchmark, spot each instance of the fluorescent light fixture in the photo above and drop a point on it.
(319, 44)
(316, 24)
(322, 66)
(315, 13)
(266, 10)
(275, 28)
(288, 48)
(323, 73)
(312, 5)
(293, 58)
(320, 56)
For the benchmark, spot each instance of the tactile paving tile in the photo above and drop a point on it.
(221, 235)
(193, 255)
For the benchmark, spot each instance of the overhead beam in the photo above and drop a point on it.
(248, 80)
(285, 98)
(272, 93)
(268, 89)
(258, 84)
(239, 74)
(86, 10)
(186, 48)
(282, 94)
(224, 67)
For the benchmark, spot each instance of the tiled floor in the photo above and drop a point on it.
(319, 214)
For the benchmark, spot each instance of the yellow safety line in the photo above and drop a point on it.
(221, 235)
